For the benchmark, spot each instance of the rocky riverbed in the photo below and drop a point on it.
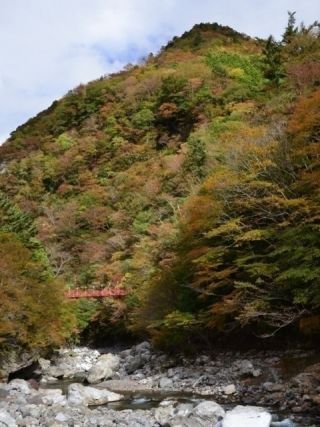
(143, 387)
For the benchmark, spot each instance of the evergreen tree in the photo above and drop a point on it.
(291, 29)
(272, 60)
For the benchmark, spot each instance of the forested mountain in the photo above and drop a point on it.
(191, 180)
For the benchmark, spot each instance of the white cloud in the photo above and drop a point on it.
(49, 46)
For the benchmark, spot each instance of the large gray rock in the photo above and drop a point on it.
(19, 386)
(142, 347)
(133, 363)
(104, 368)
(81, 395)
(43, 363)
(6, 420)
(70, 363)
(247, 416)
(208, 410)
(137, 358)
(13, 362)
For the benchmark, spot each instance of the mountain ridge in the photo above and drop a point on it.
(191, 180)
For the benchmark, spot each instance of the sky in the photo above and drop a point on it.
(48, 47)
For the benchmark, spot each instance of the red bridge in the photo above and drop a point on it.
(96, 293)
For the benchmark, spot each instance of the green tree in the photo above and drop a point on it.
(196, 156)
(273, 61)
(291, 29)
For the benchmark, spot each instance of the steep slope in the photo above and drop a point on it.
(190, 180)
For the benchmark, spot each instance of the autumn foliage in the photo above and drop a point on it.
(191, 181)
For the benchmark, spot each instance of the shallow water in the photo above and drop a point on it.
(61, 384)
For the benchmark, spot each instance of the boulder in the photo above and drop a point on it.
(208, 410)
(52, 396)
(14, 362)
(44, 363)
(81, 395)
(105, 367)
(142, 347)
(6, 420)
(183, 410)
(247, 416)
(20, 386)
(70, 363)
(133, 363)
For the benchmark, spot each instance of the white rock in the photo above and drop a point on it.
(21, 386)
(61, 417)
(6, 419)
(44, 363)
(184, 410)
(105, 367)
(247, 416)
(71, 362)
(52, 396)
(164, 413)
(208, 410)
(81, 395)
(229, 389)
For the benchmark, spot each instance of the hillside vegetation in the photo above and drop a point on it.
(191, 180)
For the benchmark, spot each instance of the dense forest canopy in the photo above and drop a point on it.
(192, 181)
